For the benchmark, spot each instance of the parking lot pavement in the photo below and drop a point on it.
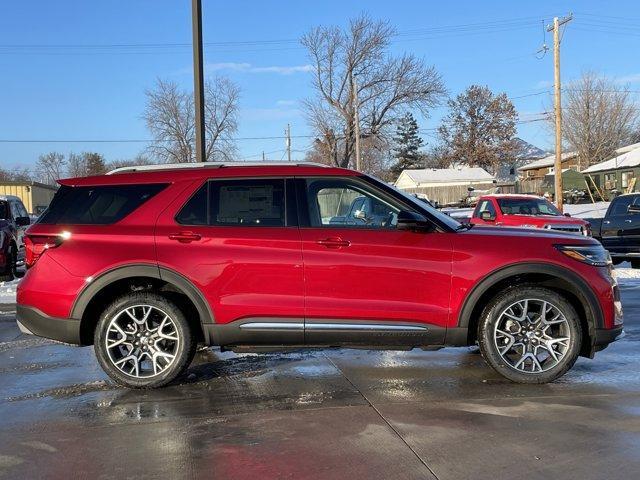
(319, 415)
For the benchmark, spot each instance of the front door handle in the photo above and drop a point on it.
(185, 237)
(334, 242)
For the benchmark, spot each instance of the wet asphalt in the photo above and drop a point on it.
(327, 414)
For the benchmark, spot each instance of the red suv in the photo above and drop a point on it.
(145, 263)
(526, 211)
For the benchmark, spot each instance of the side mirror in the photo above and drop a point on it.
(633, 209)
(23, 221)
(487, 216)
(412, 221)
(567, 214)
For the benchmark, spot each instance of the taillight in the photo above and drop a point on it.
(36, 245)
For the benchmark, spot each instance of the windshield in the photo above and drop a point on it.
(422, 205)
(527, 206)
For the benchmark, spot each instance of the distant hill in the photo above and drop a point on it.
(529, 151)
(526, 154)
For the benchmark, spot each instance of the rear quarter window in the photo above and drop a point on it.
(97, 205)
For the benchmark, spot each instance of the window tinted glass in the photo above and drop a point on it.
(341, 203)
(4, 210)
(195, 210)
(99, 205)
(486, 206)
(257, 202)
(621, 204)
(526, 206)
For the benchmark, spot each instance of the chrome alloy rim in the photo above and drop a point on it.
(532, 336)
(142, 341)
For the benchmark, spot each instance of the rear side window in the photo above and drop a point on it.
(258, 203)
(97, 205)
(4, 210)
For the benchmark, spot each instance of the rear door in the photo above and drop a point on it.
(237, 240)
(615, 223)
(370, 283)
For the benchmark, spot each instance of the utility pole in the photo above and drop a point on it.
(288, 140)
(557, 22)
(263, 155)
(356, 118)
(198, 78)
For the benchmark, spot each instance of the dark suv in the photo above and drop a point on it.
(145, 263)
(13, 221)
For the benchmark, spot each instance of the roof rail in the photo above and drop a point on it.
(181, 166)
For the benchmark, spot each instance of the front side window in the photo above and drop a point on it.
(242, 203)
(485, 206)
(527, 206)
(4, 210)
(341, 203)
(620, 206)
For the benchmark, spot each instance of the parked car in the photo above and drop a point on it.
(526, 211)
(147, 262)
(619, 230)
(13, 221)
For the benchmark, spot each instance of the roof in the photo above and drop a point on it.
(629, 159)
(510, 195)
(547, 161)
(28, 184)
(173, 173)
(179, 166)
(449, 175)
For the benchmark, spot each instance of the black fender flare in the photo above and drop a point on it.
(179, 281)
(582, 289)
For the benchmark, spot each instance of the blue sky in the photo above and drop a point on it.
(62, 78)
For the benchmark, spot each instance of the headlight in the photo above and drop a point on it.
(594, 255)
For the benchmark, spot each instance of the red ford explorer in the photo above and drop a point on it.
(145, 263)
(526, 211)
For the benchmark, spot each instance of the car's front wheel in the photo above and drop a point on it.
(530, 334)
(142, 340)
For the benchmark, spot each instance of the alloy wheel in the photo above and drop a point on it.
(142, 341)
(532, 336)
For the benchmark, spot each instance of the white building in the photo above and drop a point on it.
(442, 177)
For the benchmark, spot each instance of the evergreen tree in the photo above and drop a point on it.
(407, 146)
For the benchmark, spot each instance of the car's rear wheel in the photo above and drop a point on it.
(9, 272)
(142, 340)
(530, 334)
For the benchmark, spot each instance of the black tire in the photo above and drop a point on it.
(185, 348)
(9, 272)
(488, 340)
(635, 263)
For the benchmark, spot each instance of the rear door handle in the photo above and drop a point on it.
(185, 237)
(334, 242)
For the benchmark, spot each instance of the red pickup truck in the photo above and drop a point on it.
(527, 211)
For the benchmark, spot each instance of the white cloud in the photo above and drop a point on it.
(544, 84)
(632, 78)
(249, 68)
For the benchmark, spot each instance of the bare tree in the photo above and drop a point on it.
(170, 117)
(355, 63)
(598, 116)
(76, 165)
(50, 167)
(479, 129)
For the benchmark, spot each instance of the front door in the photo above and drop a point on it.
(238, 243)
(367, 282)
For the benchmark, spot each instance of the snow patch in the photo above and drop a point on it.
(587, 210)
(8, 291)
